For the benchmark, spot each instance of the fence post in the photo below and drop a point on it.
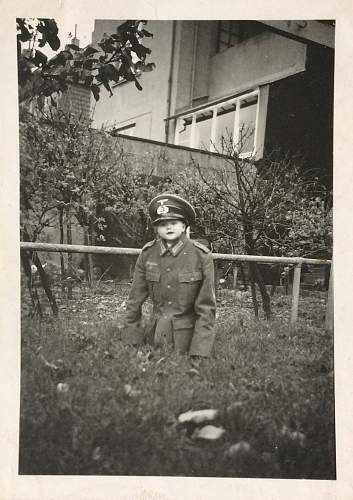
(329, 308)
(295, 294)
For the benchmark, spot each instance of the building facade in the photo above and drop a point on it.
(244, 81)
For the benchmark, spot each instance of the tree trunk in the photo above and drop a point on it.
(253, 289)
(69, 255)
(216, 276)
(62, 262)
(88, 262)
(266, 301)
(43, 277)
(91, 235)
(46, 283)
(243, 277)
(235, 276)
(37, 310)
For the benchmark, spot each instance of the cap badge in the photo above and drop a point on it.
(162, 209)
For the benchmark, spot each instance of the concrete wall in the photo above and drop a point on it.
(161, 159)
(262, 59)
(146, 108)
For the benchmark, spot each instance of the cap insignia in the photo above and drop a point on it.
(162, 209)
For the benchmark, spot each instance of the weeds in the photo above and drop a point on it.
(91, 405)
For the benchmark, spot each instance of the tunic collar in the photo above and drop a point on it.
(174, 250)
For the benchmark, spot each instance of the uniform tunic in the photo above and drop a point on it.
(180, 282)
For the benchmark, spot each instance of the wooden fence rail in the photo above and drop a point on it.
(264, 259)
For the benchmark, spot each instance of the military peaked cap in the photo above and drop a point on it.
(170, 206)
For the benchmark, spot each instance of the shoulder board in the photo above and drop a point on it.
(148, 245)
(201, 246)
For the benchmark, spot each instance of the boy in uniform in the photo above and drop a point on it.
(178, 274)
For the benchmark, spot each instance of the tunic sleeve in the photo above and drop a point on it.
(205, 310)
(133, 333)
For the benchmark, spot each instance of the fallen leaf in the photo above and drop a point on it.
(129, 391)
(96, 455)
(239, 449)
(52, 366)
(197, 416)
(62, 387)
(193, 371)
(209, 432)
(234, 408)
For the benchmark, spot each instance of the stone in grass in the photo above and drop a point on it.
(198, 416)
(209, 432)
(238, 450)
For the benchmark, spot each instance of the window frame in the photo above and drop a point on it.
(191, 116)
(235, 30)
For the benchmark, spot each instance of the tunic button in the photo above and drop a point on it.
(168, 286)
(168, 269)
(192, 279)
(170, 302)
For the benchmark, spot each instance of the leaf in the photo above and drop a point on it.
(88, 80)
(67, 55)
(147, 33)
(107, 47)
(89, 51)
(39, 58)
(137, 84)
(54, 43)
(62, 387)
(197, 416)
(96, 455)
(193, 371)
(238, 450)
(104, 79)
(89, 63)
(112, 72)
(209, 432)
(74, 47)
(95, 91)
(129, 391)
(25, 35)
(147, 67)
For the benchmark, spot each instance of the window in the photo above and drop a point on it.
(212, 128)
(229, 33)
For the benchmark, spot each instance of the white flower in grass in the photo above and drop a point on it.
(62, 388)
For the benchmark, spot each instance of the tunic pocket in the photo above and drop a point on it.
(153, 279)
(189, 284)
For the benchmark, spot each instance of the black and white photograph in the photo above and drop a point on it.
(175, 249)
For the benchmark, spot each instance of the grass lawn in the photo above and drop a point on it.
(91, 405)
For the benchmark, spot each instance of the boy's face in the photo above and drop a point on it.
(171, 230)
